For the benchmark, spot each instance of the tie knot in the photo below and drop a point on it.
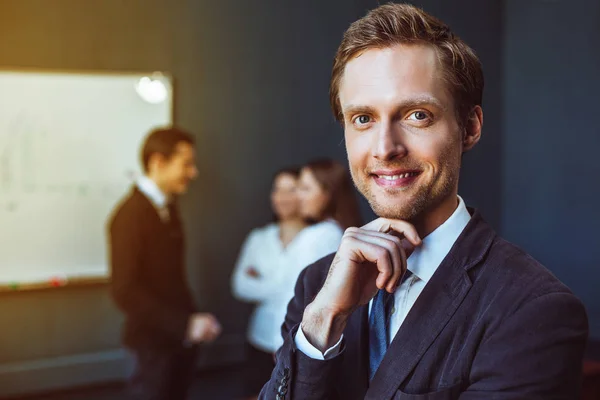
(164, 214)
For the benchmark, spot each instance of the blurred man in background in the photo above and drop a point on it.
(147, 255)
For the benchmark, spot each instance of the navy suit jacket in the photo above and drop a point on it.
(492, 323)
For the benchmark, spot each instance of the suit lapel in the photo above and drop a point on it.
(434, 307)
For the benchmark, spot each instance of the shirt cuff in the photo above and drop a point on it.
(311, 351)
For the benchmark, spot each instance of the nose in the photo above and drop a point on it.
(387, 143)
(193, 172)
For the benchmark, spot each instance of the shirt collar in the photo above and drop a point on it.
(425, 259)
(151, 190)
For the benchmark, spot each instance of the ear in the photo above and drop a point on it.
(472, 129)
(156, 161)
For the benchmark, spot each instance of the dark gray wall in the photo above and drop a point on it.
(552, 138)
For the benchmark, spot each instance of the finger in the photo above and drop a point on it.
(208, 336)
(361, 231)
(216, 328)
(215, 332)
(402, 227)
(406, 248)
(201, 331)
(375, 254)
(209, 319)
(404, 268)
(400, 240)
(397, 256)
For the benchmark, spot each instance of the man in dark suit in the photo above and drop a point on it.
(147, 254)
(426, 302)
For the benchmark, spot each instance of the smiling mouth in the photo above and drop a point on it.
(395, 180)
(397, 177)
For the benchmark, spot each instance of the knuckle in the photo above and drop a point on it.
(351, 230)
(348, 237)
(351, 240)
(396, 239)
(381, 253)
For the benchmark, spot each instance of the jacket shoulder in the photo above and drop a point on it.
(128, 209)
(517, 267)
(509, 279)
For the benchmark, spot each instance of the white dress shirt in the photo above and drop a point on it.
(278, 270)
(158, 199)
(423, 262)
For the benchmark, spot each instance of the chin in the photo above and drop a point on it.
(180, 190)
(394, 212)
(396, 206)
(308, 217)
(284, 215)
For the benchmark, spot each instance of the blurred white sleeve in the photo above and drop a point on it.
(246, 287)
(326, 240)
(318, 241)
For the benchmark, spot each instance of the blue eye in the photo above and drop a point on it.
(418, 116)
(363, 119)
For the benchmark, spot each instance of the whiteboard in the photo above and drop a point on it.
(69, 150)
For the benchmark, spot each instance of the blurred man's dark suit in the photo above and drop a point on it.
(148, 285)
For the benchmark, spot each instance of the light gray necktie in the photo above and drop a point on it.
(163, 213)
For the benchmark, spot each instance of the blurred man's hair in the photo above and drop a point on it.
(163, 141)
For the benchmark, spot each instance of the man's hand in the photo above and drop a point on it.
(369, 258)
(203, 327)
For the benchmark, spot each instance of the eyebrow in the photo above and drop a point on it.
(417, 101)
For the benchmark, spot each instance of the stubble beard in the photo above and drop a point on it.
(414, 202)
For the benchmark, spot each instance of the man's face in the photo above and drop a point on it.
(177, 171)
(403, 140)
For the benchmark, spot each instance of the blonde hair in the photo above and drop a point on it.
(392, 24)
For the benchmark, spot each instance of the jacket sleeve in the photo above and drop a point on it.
(297, 376)
(536, 353)
(125, 252)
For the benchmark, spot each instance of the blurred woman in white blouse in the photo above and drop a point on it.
(273, 256)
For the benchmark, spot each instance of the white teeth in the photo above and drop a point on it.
(395, 177)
